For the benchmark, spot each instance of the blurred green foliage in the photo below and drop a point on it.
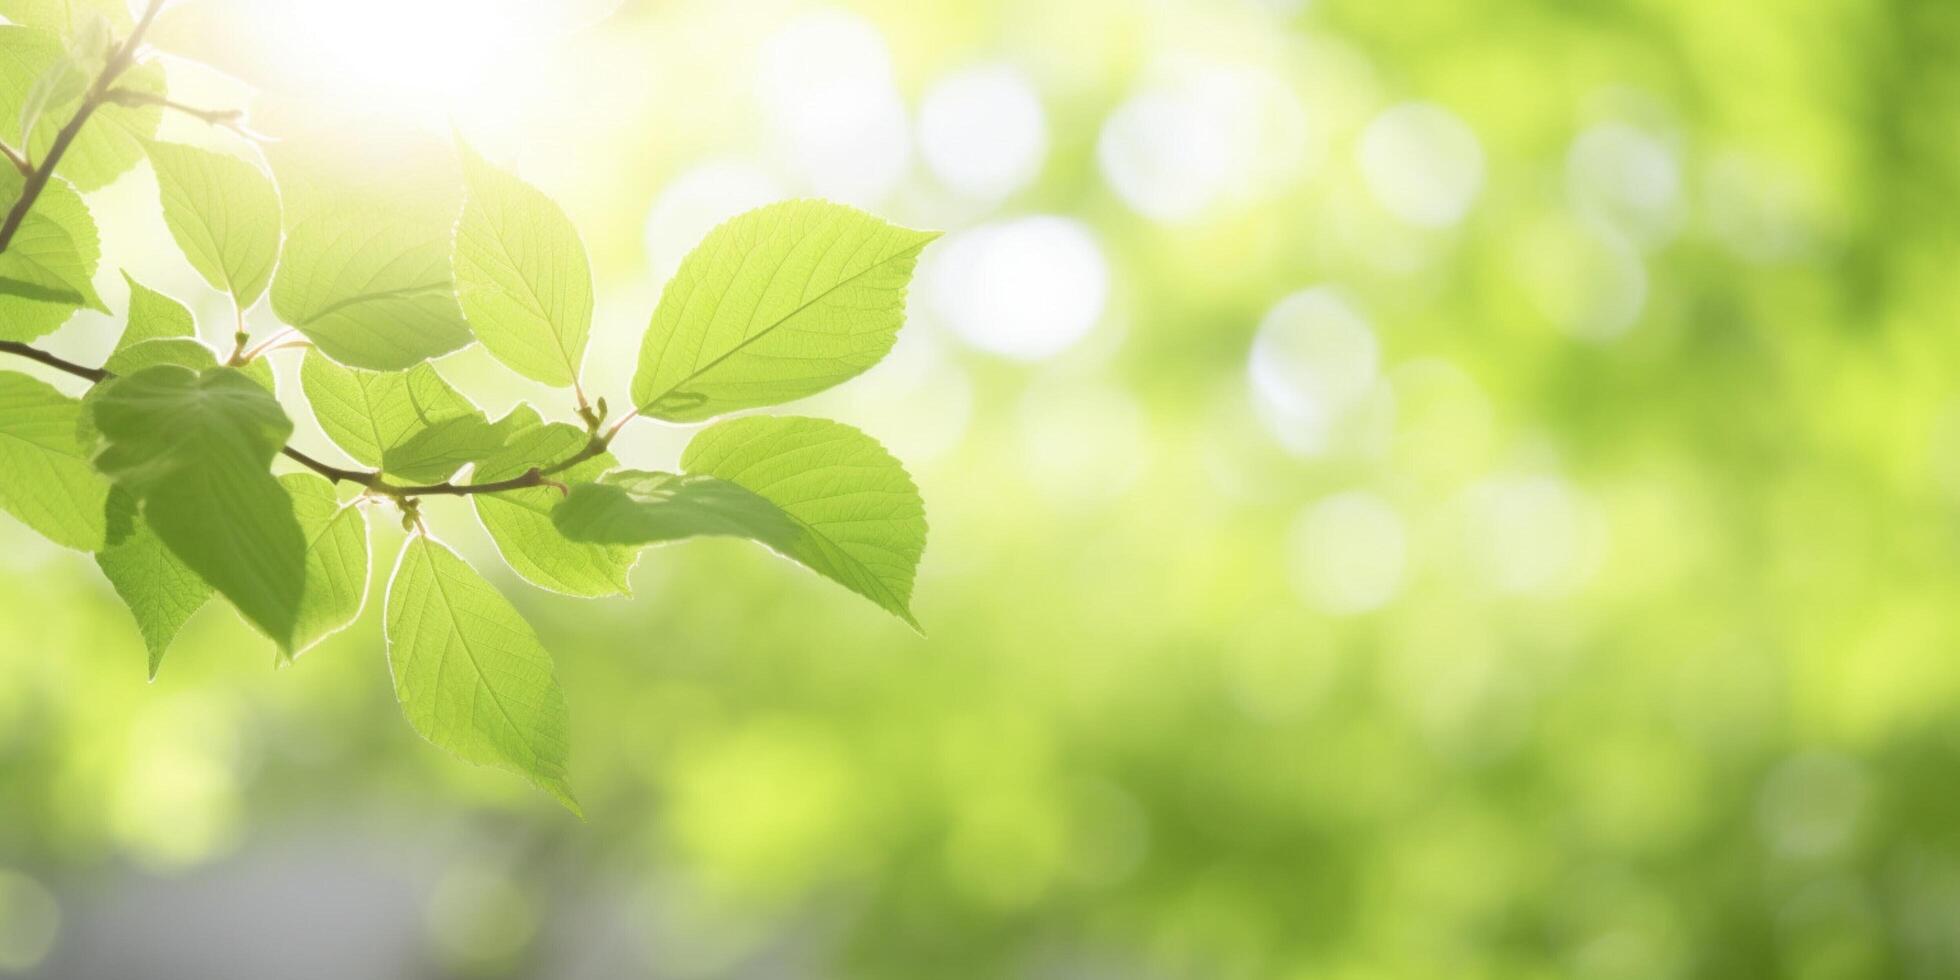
(1664, 684)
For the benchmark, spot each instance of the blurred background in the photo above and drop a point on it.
(1417, 489)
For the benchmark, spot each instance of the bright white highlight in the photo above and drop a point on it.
(1422, 163)
(419, 60)
(1027, 288)
(1204, 136)
(824, 82)
(1349, 553)
(982, 131)
(1622, 176)
(1314, 361)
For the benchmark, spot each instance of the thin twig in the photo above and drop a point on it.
(536, 476)
(13, 156)
(228, 118)
(36, 354)
(119, 61)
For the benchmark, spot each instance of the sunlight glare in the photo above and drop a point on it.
(420, 60)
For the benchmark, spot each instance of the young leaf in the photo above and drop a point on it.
(521, 275)
(160, 590)
(45, 477)
(411, 423)
(819, 492)
(778, 303)
(336, 559)
(365, 274)
(469, 672)
(195, 449)
(48, 271)
(153, 315)
(224, 214)
(519, 521)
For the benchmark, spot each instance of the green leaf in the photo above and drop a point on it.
(336, 559)
(31, 60)
(48, 271)
(195, 449)
(819, 492)
(45, 477)
(469, 672)
(153, 315)
(777, 304)
(519, 521)
(522, 275)
(181, 351)
(411, 424)
(160, 590)
(224, 214)
(365, 273)
(184, 352)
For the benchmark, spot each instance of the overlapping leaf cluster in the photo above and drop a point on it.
(164, 466)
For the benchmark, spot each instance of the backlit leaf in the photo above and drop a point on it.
(469, 672)
(365, 273)
(411, 423)
(521, 275)
(160, 590)
(777, 304)
(819, 492)
(152, 315)
(48, 270)
(336, 559)
(45, 477)
(519, 521)
(224, 214)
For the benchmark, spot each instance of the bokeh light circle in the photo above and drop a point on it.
(982, 131)
(1313, 360)
(1422, 164)
(824, 82)
(1027, 288)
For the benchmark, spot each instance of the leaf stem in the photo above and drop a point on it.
(269, 344)
(13, 156)
(37, 178)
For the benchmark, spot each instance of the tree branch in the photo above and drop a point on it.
(536, 476)
(232, 119)
(36, 354)
(13, 156)
(37, 179)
